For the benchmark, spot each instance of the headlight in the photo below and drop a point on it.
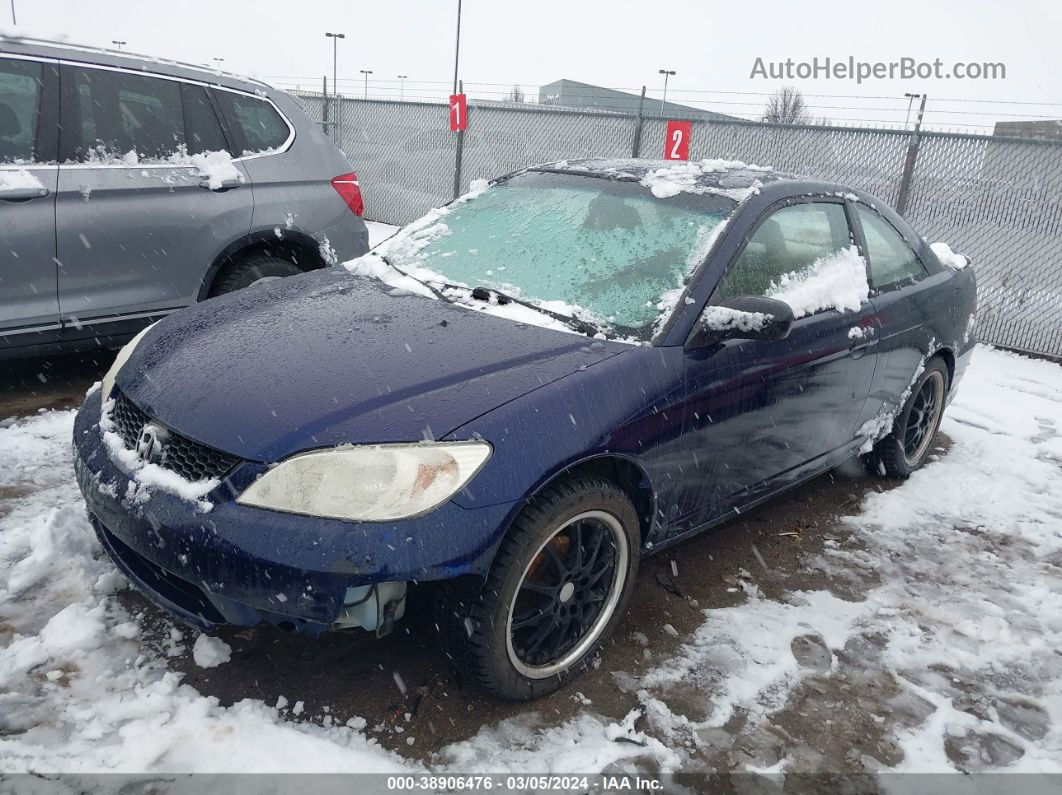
(371, 483)
(119, 360)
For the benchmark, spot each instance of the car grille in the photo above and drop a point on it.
(191, 460)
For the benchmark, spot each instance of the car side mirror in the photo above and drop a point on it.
(744, 317)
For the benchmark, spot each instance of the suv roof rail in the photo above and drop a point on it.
(29, 39)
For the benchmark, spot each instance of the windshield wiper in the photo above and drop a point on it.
(483, 294)
(574, 323)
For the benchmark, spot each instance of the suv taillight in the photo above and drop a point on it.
(347, 187)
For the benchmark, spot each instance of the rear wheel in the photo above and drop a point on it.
(907, 447)
(557, 588)
(250, 270)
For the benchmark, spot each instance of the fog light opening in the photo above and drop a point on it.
(374, 608)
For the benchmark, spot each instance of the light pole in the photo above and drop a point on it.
(13, 20)
(115, 42)
(402, 87)
(666, 73)
(910, 100)
(217, 63)
(457, 45)
(335, 37)
(366, 72)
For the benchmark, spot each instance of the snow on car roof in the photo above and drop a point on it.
(709, 172)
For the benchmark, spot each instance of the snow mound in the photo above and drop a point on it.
(670, 181)
(838, 281)
(214, 168)
(147, 476)
(13, 179)
(210, 652)
(722, 318)
(949, 258)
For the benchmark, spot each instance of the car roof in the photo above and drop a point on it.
(709, 173)
(100, 56)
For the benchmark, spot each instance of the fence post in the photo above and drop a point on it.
(460, 147)
(909, 161)
(637, 147)
(324, 104)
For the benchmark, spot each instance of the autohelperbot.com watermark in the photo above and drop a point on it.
(851, 68)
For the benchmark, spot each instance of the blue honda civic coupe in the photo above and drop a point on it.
(517, 397)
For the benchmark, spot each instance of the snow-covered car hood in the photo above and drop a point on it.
(331, 358)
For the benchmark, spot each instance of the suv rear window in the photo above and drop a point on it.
(256, 122)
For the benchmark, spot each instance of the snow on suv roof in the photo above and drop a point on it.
(12, 41)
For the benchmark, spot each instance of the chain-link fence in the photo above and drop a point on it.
(997, 200)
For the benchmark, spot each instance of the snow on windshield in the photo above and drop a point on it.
(601, 251)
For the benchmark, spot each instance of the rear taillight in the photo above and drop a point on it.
(347, 187)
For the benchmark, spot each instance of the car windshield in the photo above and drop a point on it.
(603, 250)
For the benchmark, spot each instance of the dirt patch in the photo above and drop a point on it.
(60, 382)
(344, 676)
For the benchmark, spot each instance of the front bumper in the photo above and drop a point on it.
(236, 564)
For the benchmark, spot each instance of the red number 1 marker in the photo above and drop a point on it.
(458, 114)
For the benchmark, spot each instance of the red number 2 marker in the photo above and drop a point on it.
(677, 141)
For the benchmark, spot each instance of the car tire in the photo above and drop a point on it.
(548, 574)
(250, 270)
(908, 446)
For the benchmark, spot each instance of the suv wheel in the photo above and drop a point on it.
(252, 269)
(557, 588)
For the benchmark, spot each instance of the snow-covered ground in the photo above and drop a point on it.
(379, 232)
(942, 649)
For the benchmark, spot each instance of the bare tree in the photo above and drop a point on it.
(516, 94)
(786, 106)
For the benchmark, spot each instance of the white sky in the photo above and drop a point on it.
(712, 46)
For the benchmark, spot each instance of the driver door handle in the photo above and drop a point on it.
(226, 184)
(23, 194)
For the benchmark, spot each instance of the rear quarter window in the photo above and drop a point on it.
(256, 123)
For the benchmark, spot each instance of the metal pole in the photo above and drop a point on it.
(402, 87)
(13, 20)
(457, 45)
(637, 147)
(910, 101)
(666, 73)
(324, 104)
(335, 37)
(460, 146)
(909, 160)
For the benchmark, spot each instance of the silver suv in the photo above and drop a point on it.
(132, 187)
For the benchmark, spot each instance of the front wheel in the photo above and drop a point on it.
(557, 588)
(907, 447)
